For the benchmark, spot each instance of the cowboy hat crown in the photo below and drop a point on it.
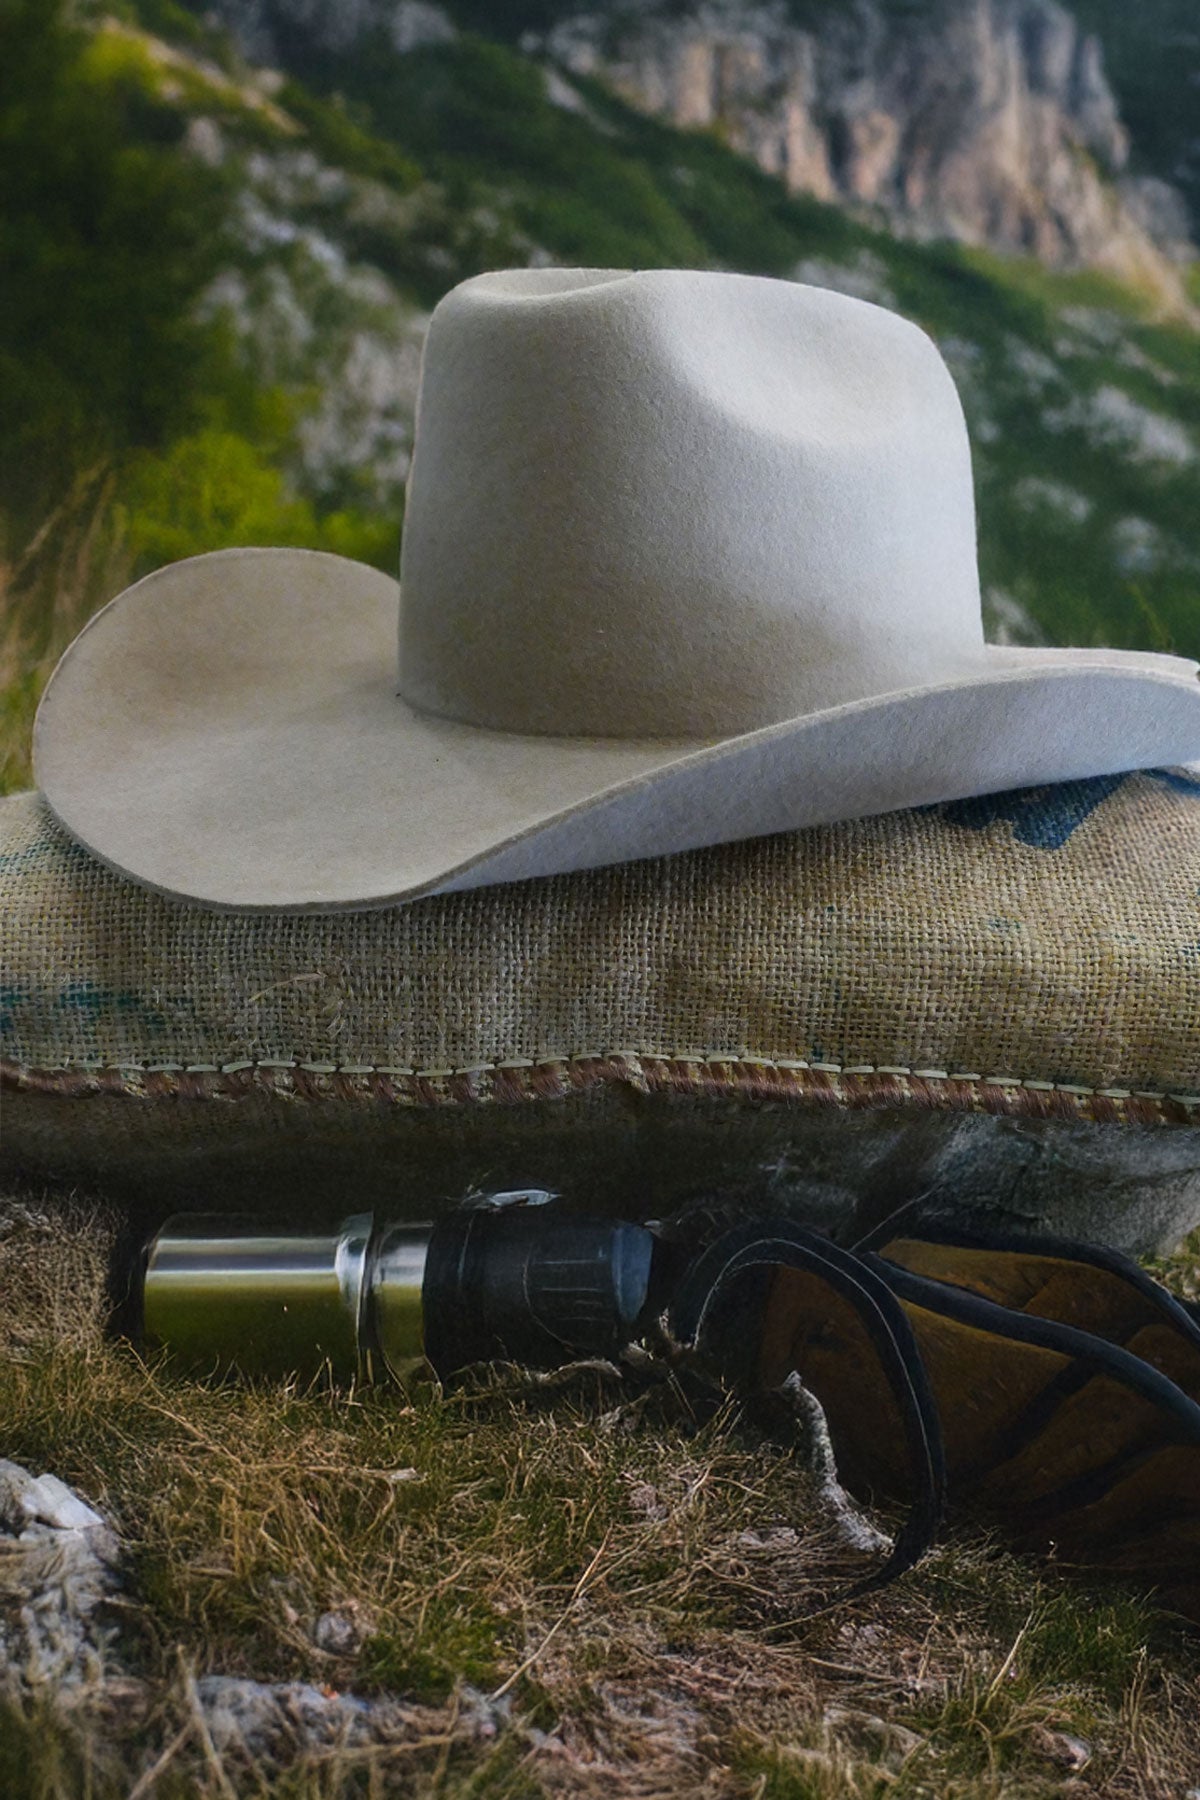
(678, 504)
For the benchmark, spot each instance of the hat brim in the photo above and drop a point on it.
(227, 731)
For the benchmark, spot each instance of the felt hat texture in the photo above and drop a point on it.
(688, 558)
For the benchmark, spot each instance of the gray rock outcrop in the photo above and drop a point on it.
(987, 121)
(991, 122)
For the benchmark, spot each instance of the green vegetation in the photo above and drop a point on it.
(1151, 54)
(214, 490)
(652, 1601)
(211, 277)
(132, 431)
(106, 237)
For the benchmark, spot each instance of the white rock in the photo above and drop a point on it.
(52, 1502)
(864, 277)
(41, 1499)
(415, 24)
(57, 1566)
(1139, 545)
(1113, 417)
(1006, 621)
(1036, 491)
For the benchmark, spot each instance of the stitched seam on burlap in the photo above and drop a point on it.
(633, 1060)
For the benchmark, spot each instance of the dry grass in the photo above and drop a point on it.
(1180, 1272)
(575, 1589)
(49, 588)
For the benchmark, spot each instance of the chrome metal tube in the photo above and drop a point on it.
(395, 1298)
(225, 1293)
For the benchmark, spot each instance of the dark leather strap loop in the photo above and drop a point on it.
(781, 1244)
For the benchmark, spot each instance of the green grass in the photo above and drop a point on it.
(655, 1603)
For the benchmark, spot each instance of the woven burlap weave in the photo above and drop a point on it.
(1050, 938)
(1029, 956)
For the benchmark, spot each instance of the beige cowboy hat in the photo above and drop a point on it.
(688, 557)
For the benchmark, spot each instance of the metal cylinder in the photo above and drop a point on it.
(227, 1293)
(512, 1279)
(395, 1330)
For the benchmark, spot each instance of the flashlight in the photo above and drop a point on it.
(513, 1279)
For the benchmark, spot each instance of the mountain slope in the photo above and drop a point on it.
(358, 185)
(991, 122)
(1082, 410)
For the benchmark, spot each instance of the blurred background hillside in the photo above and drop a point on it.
(223, 227)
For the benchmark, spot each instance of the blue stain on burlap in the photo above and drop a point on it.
(1045, 817)
(1177, 781)
(11, 998)
(57, 850)
(91, 1003)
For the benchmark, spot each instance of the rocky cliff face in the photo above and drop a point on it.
(989, 121)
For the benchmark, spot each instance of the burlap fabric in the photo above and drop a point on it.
(867, 1005)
